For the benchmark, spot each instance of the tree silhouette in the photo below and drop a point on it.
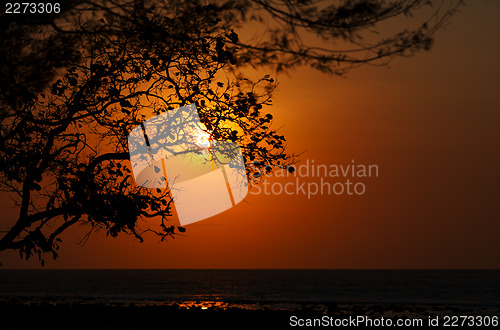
(74, 84)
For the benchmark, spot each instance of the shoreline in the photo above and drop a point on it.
(95, 314)
(377, 309)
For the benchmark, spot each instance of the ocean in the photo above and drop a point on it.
(255, 288)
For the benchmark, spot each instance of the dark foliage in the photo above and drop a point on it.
(73, 86)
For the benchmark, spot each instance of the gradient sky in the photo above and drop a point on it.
(432, 125)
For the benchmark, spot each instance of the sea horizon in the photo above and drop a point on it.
(199, 296)
(470, 287)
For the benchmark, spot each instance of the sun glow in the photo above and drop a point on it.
(203, 139)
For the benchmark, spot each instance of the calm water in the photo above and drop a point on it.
(472, 288)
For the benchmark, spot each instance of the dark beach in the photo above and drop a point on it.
(144, 299)
(18, 314)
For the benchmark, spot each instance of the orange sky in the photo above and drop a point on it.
(431, 124)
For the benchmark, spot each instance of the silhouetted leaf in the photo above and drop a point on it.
(113, 92)
(233, 36)
(72, 81)
(125, 104)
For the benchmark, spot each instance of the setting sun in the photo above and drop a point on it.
(203, 139)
